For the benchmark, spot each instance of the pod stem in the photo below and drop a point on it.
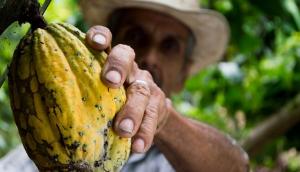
(38, 22)
(32, 15)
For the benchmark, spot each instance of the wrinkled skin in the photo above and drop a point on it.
(159, 49)
(193, 146)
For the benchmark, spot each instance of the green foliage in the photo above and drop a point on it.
(259, 74)
(8, 131)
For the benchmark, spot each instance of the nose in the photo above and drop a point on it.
(150, 61)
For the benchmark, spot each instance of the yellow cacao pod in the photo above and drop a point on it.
(63, 111)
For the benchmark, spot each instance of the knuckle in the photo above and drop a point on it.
(162, 95)
(105, 29)
(129, 108)
(126, 48)
(158, 92)
(114, 60)
(146, 74)
(146, 128)
(151, 111)
(122, 54)
(100, 28)
(136, 88)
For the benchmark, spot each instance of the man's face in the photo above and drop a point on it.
(159, 42)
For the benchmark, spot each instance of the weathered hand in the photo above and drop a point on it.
(146, 108)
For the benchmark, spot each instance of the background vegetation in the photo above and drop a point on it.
(258, 78)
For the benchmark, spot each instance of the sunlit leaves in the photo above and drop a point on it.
(61, 10)
(265, 50)
(293, 9)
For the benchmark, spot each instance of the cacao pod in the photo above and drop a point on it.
(62, 109)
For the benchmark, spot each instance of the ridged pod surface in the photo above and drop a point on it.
(63, 111)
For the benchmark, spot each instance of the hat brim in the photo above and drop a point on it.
(210, 28)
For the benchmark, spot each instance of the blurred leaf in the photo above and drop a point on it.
(293, 9)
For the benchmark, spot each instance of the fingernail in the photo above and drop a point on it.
(126, 125)
(139, 145)
(113, 76)
(99, 39)
(168, 102)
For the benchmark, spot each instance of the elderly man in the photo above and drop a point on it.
(170, 40)
(156, 45)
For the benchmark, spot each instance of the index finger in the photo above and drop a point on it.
(99, 37)
(118, 66)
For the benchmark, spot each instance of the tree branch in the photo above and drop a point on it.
(273, 127)
(16, 10)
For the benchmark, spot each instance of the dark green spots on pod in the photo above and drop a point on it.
(102, 115)
(55, 158)
(67, 138)
(98, 163)
(105, 132)
(46, 144)
(84, 147)
(65, 128)
(83, 99)
(109, 123)
(52, 92)
(105, 144)
(99, 107)
(81, 133)
(77, 33)
(78, 54)
(117, 100)
(74, 145)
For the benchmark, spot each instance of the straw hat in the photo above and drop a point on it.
(209, 27)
